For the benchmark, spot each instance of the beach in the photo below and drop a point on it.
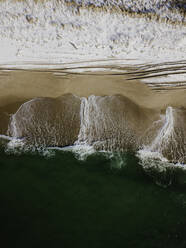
(92, 123)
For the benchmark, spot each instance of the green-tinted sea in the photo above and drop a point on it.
(64, 202)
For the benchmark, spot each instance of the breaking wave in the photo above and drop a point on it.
(99, 123)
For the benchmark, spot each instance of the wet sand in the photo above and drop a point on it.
(19, 86)
(120, 113)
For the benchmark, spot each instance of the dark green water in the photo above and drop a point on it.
(63, 202)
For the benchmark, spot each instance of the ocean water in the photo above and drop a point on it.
(64, 202)
(92, 123)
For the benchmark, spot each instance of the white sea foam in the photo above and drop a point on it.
(165, 133)
(80, 151)
(151, 156)
(154, 150)
(5, 137)
(87, 105)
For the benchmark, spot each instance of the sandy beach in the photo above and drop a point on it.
(121, 106)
